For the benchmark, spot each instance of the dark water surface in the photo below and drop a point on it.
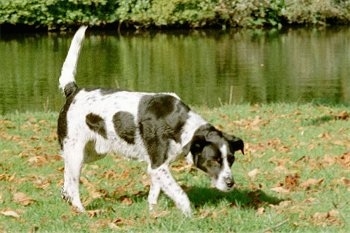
(203, 67)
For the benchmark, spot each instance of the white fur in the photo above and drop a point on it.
(225, 172)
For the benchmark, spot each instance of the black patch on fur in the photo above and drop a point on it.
(161, 118)
(62, 118)
(96, 124)
(124, 125)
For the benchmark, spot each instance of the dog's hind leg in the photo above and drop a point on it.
(73, 154)
(162, 179)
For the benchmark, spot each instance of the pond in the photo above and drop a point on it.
(203, 67)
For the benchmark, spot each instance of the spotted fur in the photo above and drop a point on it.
(153, 127)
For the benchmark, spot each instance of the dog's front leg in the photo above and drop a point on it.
(162, 179)
(153, 191)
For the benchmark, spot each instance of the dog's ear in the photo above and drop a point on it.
(195, 148)
(234, 142)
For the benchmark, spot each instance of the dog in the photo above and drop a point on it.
(154, 127)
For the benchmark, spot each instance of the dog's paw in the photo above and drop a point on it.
(64, 195)
(187, 213)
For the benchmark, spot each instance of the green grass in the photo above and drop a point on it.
(294, 177)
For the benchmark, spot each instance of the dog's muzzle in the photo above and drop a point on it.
(224, 184)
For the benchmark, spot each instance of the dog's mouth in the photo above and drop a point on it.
(224, 185)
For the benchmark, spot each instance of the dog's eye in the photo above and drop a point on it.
(218, 159)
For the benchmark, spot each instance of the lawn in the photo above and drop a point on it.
(294, 177)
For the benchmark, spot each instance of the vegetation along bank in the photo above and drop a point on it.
(59, 14)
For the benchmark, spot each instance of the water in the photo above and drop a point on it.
(203, 67)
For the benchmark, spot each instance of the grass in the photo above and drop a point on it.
(294, 177)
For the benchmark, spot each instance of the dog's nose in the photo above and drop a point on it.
(229, 182)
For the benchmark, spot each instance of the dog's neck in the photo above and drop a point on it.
(193, 122)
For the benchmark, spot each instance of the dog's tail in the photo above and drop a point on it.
(67, 79)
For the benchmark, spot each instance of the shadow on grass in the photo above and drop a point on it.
(200, 196)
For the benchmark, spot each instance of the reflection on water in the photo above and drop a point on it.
(203, 67)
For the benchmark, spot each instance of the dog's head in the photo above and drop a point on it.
(213, 152)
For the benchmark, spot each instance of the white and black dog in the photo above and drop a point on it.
(153, 127)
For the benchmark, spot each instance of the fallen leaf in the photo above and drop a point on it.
(344, 159)
(327, 218)
(10, 213)
(345, 181)
(41, 183)
(280, 190)
(285, 204)
(260, 211)
(281, 170)
(253, 173)
(110, 175)
(291, 181)
(38, 160)
(159, 214)
(342, 115)
(95, 213)
(22, 199)
(311, 182)
(7, 177)
(126, 200)
(118, 222)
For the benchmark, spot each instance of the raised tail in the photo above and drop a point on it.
(67, 79)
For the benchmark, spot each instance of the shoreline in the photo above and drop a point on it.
(137, 15)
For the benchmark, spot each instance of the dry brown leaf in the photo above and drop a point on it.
(291, 181)
(260, 211)
(38, 160)
(7, 177)
(345, 181)
(344, 160)
(282, 206)
(10, 213)
(328, 218)
(126, 200)
(22, 199)
(110, 175)
(280, 190)
(342, 115)
(311, 182)
(95, 213)
(253, 173)
(281, 170)
(279, 161)
(118, 222)
(41, 182)
(285, 204)
(211, 214)
(160, 214)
